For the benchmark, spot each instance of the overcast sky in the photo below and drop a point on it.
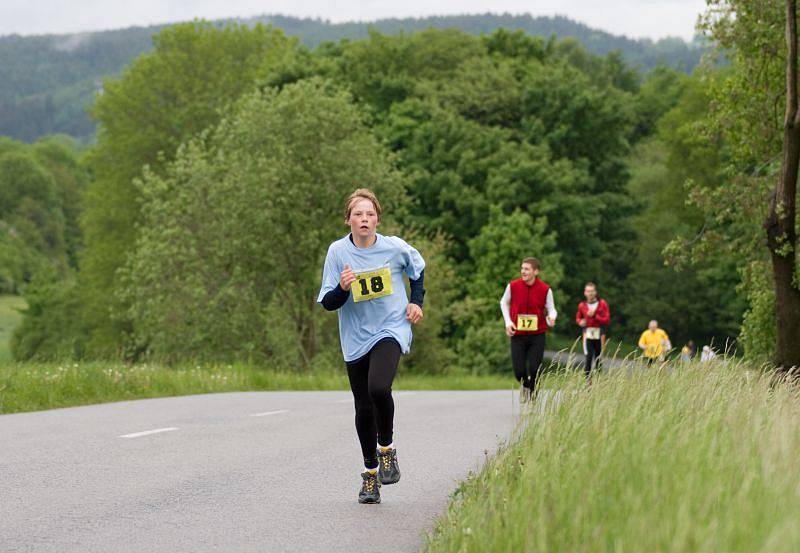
(634, 18)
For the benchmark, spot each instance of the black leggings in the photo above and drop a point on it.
(371, 382)
(593, 350)
(527, 351)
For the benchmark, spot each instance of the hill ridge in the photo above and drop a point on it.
(46, 81)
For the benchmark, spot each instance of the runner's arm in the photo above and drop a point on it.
(603, 316)
(417, 289)
(550, 305)
(331, 295)
(414, 263)
(505, 305)
(335, 298)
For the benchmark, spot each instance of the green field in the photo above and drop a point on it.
(9, 319)
(697, 458)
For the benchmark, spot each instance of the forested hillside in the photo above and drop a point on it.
(485, 149)
(47, 82)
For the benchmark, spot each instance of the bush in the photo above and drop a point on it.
(485, 349)
(51, 327)
(759, 332)
(431, 351)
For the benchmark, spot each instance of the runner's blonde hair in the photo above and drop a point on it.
(361, 194)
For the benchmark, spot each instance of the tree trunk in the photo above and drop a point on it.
(780, 223)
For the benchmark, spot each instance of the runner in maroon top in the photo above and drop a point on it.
(528, 312)
(593, 317)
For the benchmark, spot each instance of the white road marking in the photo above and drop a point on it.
(269, 413)
(148, 432)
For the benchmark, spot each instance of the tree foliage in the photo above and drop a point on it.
(46, 82)
(697, 301)
(224, 154)
(234, 233)
(161, 100)
(40, 185)
(505, 239)
(747, 113)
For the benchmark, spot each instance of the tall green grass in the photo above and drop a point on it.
(32, 386)
(692, 458)
(615, 348)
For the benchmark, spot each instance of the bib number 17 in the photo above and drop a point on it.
(527, 322)
(372, 285)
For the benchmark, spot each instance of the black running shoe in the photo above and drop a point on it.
(388, 469)
(370, 488)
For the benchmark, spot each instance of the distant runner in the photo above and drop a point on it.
(363, 279)
(708, 354)
(528, 311)
(593, 317)
(654, 342)
(689, 351)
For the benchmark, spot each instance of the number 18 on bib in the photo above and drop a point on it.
(370, 285)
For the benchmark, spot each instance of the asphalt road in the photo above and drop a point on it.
(242, 472)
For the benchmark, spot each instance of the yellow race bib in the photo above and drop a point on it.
(527, 322)
(592, 333)
(371, 285)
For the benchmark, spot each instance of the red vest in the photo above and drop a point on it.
(529, 300)
(602, 316)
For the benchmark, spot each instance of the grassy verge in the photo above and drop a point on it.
(9, 319)
(614, 347)
(698, 458)
(31, 387)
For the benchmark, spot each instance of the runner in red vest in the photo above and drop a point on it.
(528, 311)
(593, 317)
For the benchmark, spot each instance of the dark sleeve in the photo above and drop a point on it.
(336, 298)
(417, 289)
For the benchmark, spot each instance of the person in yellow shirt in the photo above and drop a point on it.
(654, 343)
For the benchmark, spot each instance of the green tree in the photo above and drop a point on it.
(660, 91)
(28, 200)
(51, 327)
(162, 99)
(235, 231)
(432, 351)
(518, 126)
(40, 186)
(695, 301)
(31, 219)
(498, 251)
(745, 110)
(62, 157)
(18, 261)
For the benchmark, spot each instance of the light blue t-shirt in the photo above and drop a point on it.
(362, 324)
